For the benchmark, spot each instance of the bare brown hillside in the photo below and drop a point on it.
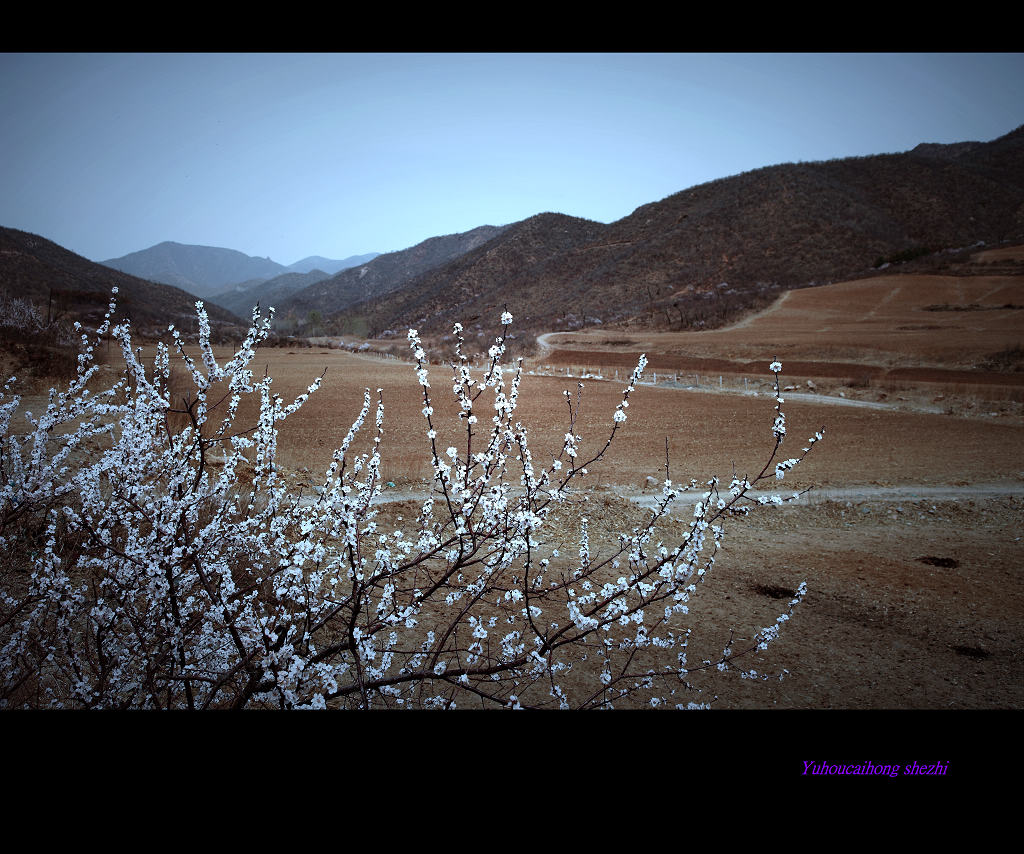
(376, 279)
(58, 280)
(704, 256)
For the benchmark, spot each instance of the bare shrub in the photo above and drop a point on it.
(1006, 361)
(41, 346)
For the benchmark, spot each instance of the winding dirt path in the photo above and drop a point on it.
(854, 494)
(888, 494)
(757, 315)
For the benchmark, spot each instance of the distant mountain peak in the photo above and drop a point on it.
(330, 265)
(208, 270)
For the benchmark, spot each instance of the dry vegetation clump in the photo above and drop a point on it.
(31, 342)
(1009, 360)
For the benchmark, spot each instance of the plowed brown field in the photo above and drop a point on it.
(916, 593)
(944, 322)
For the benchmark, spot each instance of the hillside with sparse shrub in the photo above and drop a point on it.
(705, 255)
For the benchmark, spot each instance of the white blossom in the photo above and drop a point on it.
(174, 563)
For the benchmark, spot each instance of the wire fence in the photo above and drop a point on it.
(669, 379)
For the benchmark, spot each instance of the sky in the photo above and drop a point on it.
(290, 155)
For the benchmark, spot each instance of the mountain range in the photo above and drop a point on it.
(702, 256)
(386, 273)
(206, 270)
(695, 259)
(34, 268)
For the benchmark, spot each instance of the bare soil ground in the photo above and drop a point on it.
(944, 322)
(1003, 253)
(912, 553)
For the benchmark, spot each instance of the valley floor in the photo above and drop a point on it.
(910, 543)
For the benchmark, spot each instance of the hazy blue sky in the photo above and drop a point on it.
(290, 155)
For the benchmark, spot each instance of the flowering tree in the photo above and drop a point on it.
(178, 568)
